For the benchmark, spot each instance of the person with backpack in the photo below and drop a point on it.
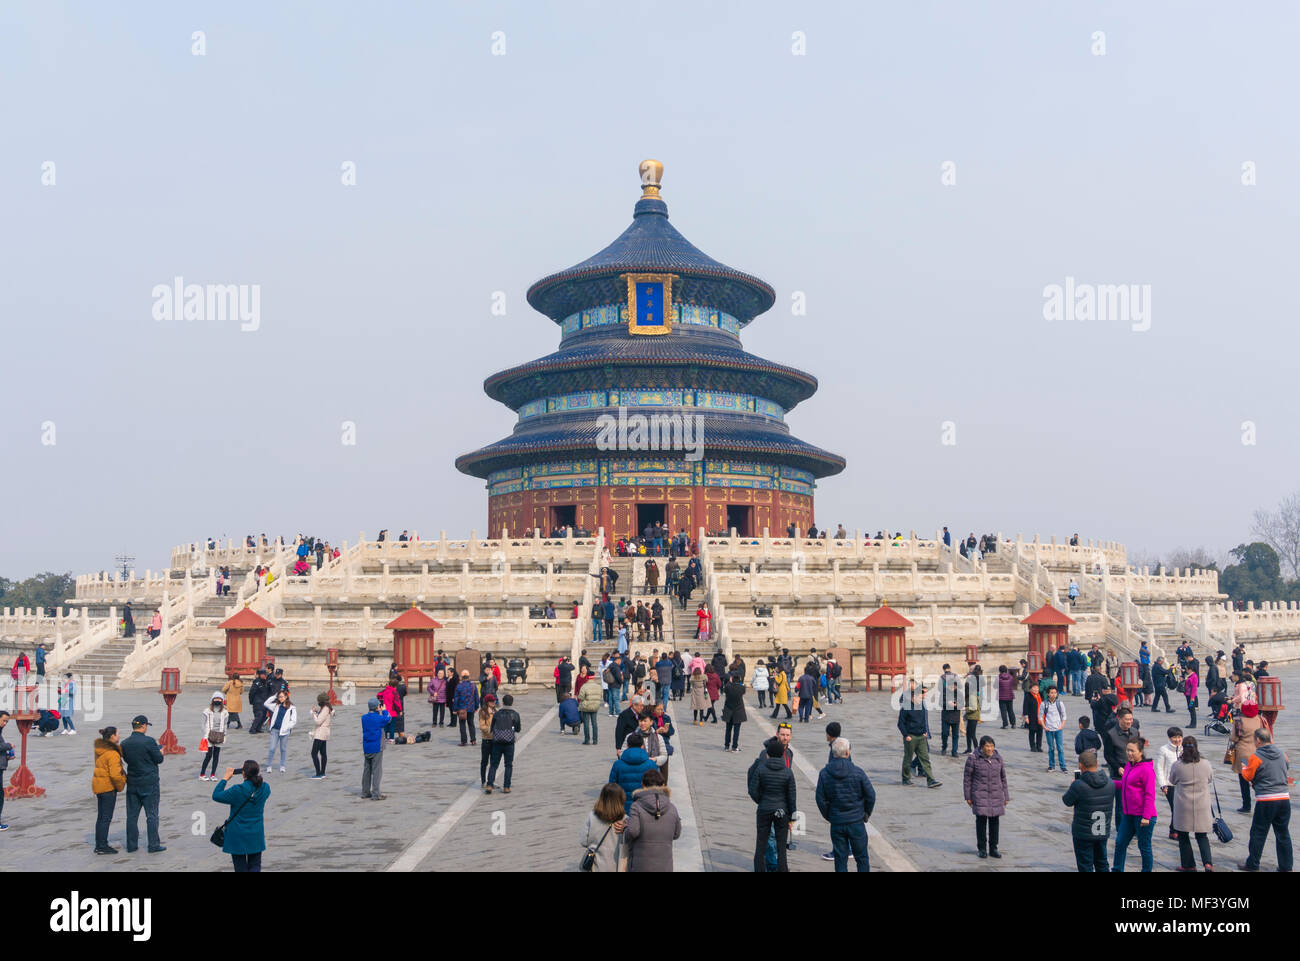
(1092, 795)
(772, 787)
(506, 727)
(611, 679)
(1051, 715)
(244, 831)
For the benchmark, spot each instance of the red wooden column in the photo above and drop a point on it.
(245, 641)
(413, 647)
(886, 634)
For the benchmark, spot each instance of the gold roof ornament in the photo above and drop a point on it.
(652, 172)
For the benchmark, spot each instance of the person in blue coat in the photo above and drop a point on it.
(631, 765)
(245, 833)
(569, 717)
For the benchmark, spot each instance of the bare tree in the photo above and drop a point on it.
(1194, 557)
(1280, 530)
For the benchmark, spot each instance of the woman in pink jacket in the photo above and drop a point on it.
(1191, 689)
(1137, 801)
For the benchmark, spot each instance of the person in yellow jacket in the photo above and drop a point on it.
(234, 691)
(780, 686)
(106, 781)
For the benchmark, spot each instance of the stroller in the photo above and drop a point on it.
(1222, 721)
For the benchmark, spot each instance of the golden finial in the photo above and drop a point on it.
(652, 171)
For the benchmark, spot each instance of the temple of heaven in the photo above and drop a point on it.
(650, 410)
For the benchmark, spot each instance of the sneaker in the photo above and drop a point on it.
(379, 797)
(158, 850)
(935, 784)
(4, 827)
(316, 777)
(828, 856)
(281, 770)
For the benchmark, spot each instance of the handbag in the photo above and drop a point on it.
(219, 835)
(589, 856)
(1221, 829)
(1230, 755)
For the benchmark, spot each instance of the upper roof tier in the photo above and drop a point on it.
(651, 244)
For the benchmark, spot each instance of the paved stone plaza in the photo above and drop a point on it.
(435, 817)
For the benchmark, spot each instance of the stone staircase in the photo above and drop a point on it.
(106, 660)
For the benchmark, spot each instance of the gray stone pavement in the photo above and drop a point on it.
(436, 818)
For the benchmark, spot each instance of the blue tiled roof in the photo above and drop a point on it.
(723, 434)
(651, 244)
(679, 352)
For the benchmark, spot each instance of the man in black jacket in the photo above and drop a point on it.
(258, 692)
(914, 725)
(1091, 795)
(1160, 681)
(772, 788)
(1115, 739)
(506, 726)
(627, 721)
(141, 755)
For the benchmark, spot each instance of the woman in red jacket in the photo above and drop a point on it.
(714, 684)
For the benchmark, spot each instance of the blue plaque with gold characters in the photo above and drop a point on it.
(649, 303)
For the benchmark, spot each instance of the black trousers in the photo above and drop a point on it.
(972, 729)
(1162, 690)
(1035, 737)
(485, 756)
(213, 755)
(986, 826)
(319, 755)
(731, 737)
(439, 714)
(468, 729)
(247, 863)
(234, 721)
(1245, 791)
(104, 804)
(776, 709)
(1185, 849)
(1007, 711)
(765, 823)
(762, 698)
(945, 729)
(1090, 855)
(259, 717)
(502, 750)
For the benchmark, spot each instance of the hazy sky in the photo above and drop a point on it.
(477, 173)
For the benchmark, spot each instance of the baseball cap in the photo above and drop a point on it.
(140, 721)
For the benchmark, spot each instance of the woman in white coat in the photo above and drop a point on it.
(761, 683)
(215, 718)
(283, 717)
